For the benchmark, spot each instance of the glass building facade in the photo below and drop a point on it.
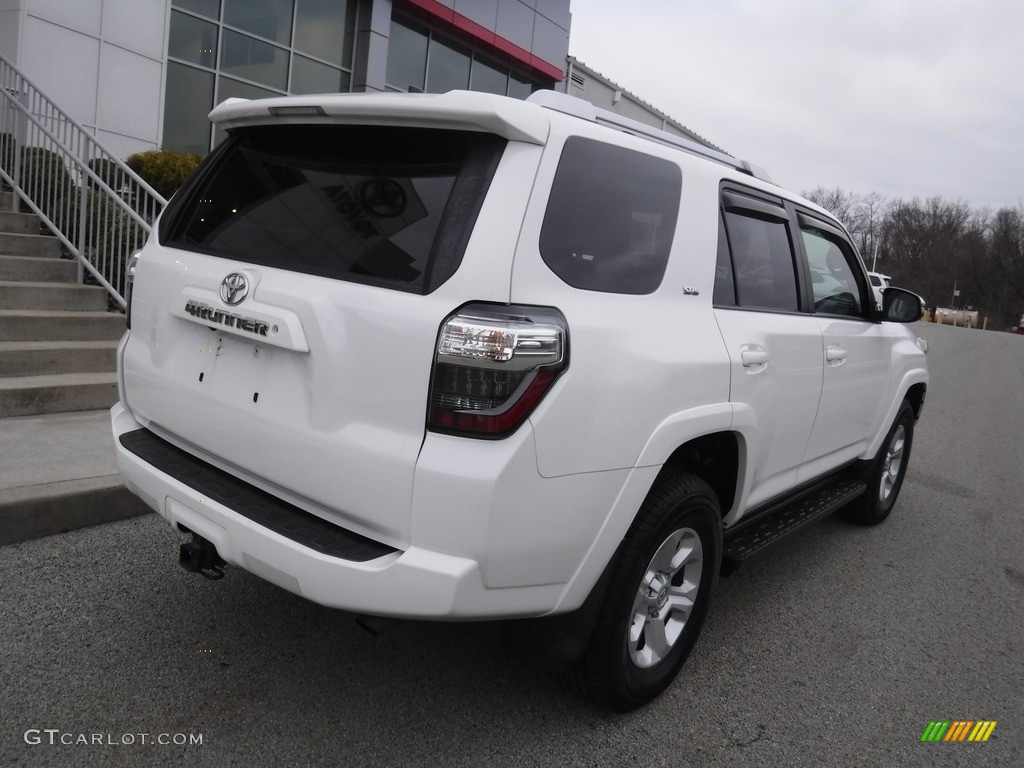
(219, 49)
(422, 60)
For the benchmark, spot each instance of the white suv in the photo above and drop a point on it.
(466, 357)
(879, 284)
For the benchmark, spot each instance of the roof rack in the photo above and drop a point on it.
(571, 105)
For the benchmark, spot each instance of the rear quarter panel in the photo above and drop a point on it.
(634, 360)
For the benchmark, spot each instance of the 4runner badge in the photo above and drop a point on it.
(234, 288)
(205, 312)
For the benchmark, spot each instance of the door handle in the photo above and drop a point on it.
(754, 357)
(835, 355)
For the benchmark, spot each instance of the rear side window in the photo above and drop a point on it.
(760, 256)
(610, 218)
(388, 206)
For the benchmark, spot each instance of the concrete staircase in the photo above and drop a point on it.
(57, 339)
(57, 381)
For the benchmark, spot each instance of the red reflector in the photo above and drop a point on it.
(496, 424)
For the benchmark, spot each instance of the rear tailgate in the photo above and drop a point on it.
(339, 424)
(343, 248)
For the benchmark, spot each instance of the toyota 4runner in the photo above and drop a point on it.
(462, 357)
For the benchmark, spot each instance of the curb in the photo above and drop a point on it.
(31, 512)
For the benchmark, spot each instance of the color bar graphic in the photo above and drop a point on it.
(935, 730)
(982, 730)
(958, 730)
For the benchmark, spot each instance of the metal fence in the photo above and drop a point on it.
(100, 209)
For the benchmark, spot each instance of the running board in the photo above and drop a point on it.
(760, 534)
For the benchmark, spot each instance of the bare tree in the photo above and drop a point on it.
(836, 201)
(922, 243)
(866, 225)
(1007, 259)
(934, 245)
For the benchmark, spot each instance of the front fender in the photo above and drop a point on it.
(910, 379)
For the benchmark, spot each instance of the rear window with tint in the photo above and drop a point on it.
(389, 206)
(610, 218)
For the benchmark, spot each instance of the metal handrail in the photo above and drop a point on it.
(98, 207)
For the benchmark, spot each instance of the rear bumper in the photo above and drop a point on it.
(379, 580)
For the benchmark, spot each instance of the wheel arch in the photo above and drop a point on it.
(913, 388)
(713, 458)
(916, 395)
(702, 444)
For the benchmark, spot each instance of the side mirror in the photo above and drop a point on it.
(901, 306)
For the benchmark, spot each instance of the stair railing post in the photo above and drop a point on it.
(20, 137)
(82, 216)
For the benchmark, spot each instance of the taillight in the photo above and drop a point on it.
(492, 366)
(129, 284)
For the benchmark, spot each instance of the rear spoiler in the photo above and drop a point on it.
(456, 110)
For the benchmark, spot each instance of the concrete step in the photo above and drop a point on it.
(56, 393)
(60, 325)
(45, 510)
(37, 358)
(6, 201)
(19, 223)
(37, 270)
(30, 295)
(59, 474)
(43, 246)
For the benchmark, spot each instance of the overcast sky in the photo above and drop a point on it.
(907, 98)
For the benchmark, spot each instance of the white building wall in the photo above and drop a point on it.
(101, 61)
(105, 61)
(10, 26)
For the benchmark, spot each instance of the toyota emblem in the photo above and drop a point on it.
(234, 288)
(383, 197)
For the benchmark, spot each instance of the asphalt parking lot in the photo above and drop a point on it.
(836, 648)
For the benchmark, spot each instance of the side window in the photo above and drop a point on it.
(833, 280)
(762, 254)
(610, 218)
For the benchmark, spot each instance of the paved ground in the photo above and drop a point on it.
(56, 447)
(836, 649)
(58, 473)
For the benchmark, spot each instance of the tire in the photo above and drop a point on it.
(656, 601)
(884, 475)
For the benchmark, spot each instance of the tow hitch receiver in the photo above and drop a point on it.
(200, 556)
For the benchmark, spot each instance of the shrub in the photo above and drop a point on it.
(108, 171)
(46, 179)
(113, 235)
(7, 152)
(163, 170)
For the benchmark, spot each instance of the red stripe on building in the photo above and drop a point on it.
(488, 39)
